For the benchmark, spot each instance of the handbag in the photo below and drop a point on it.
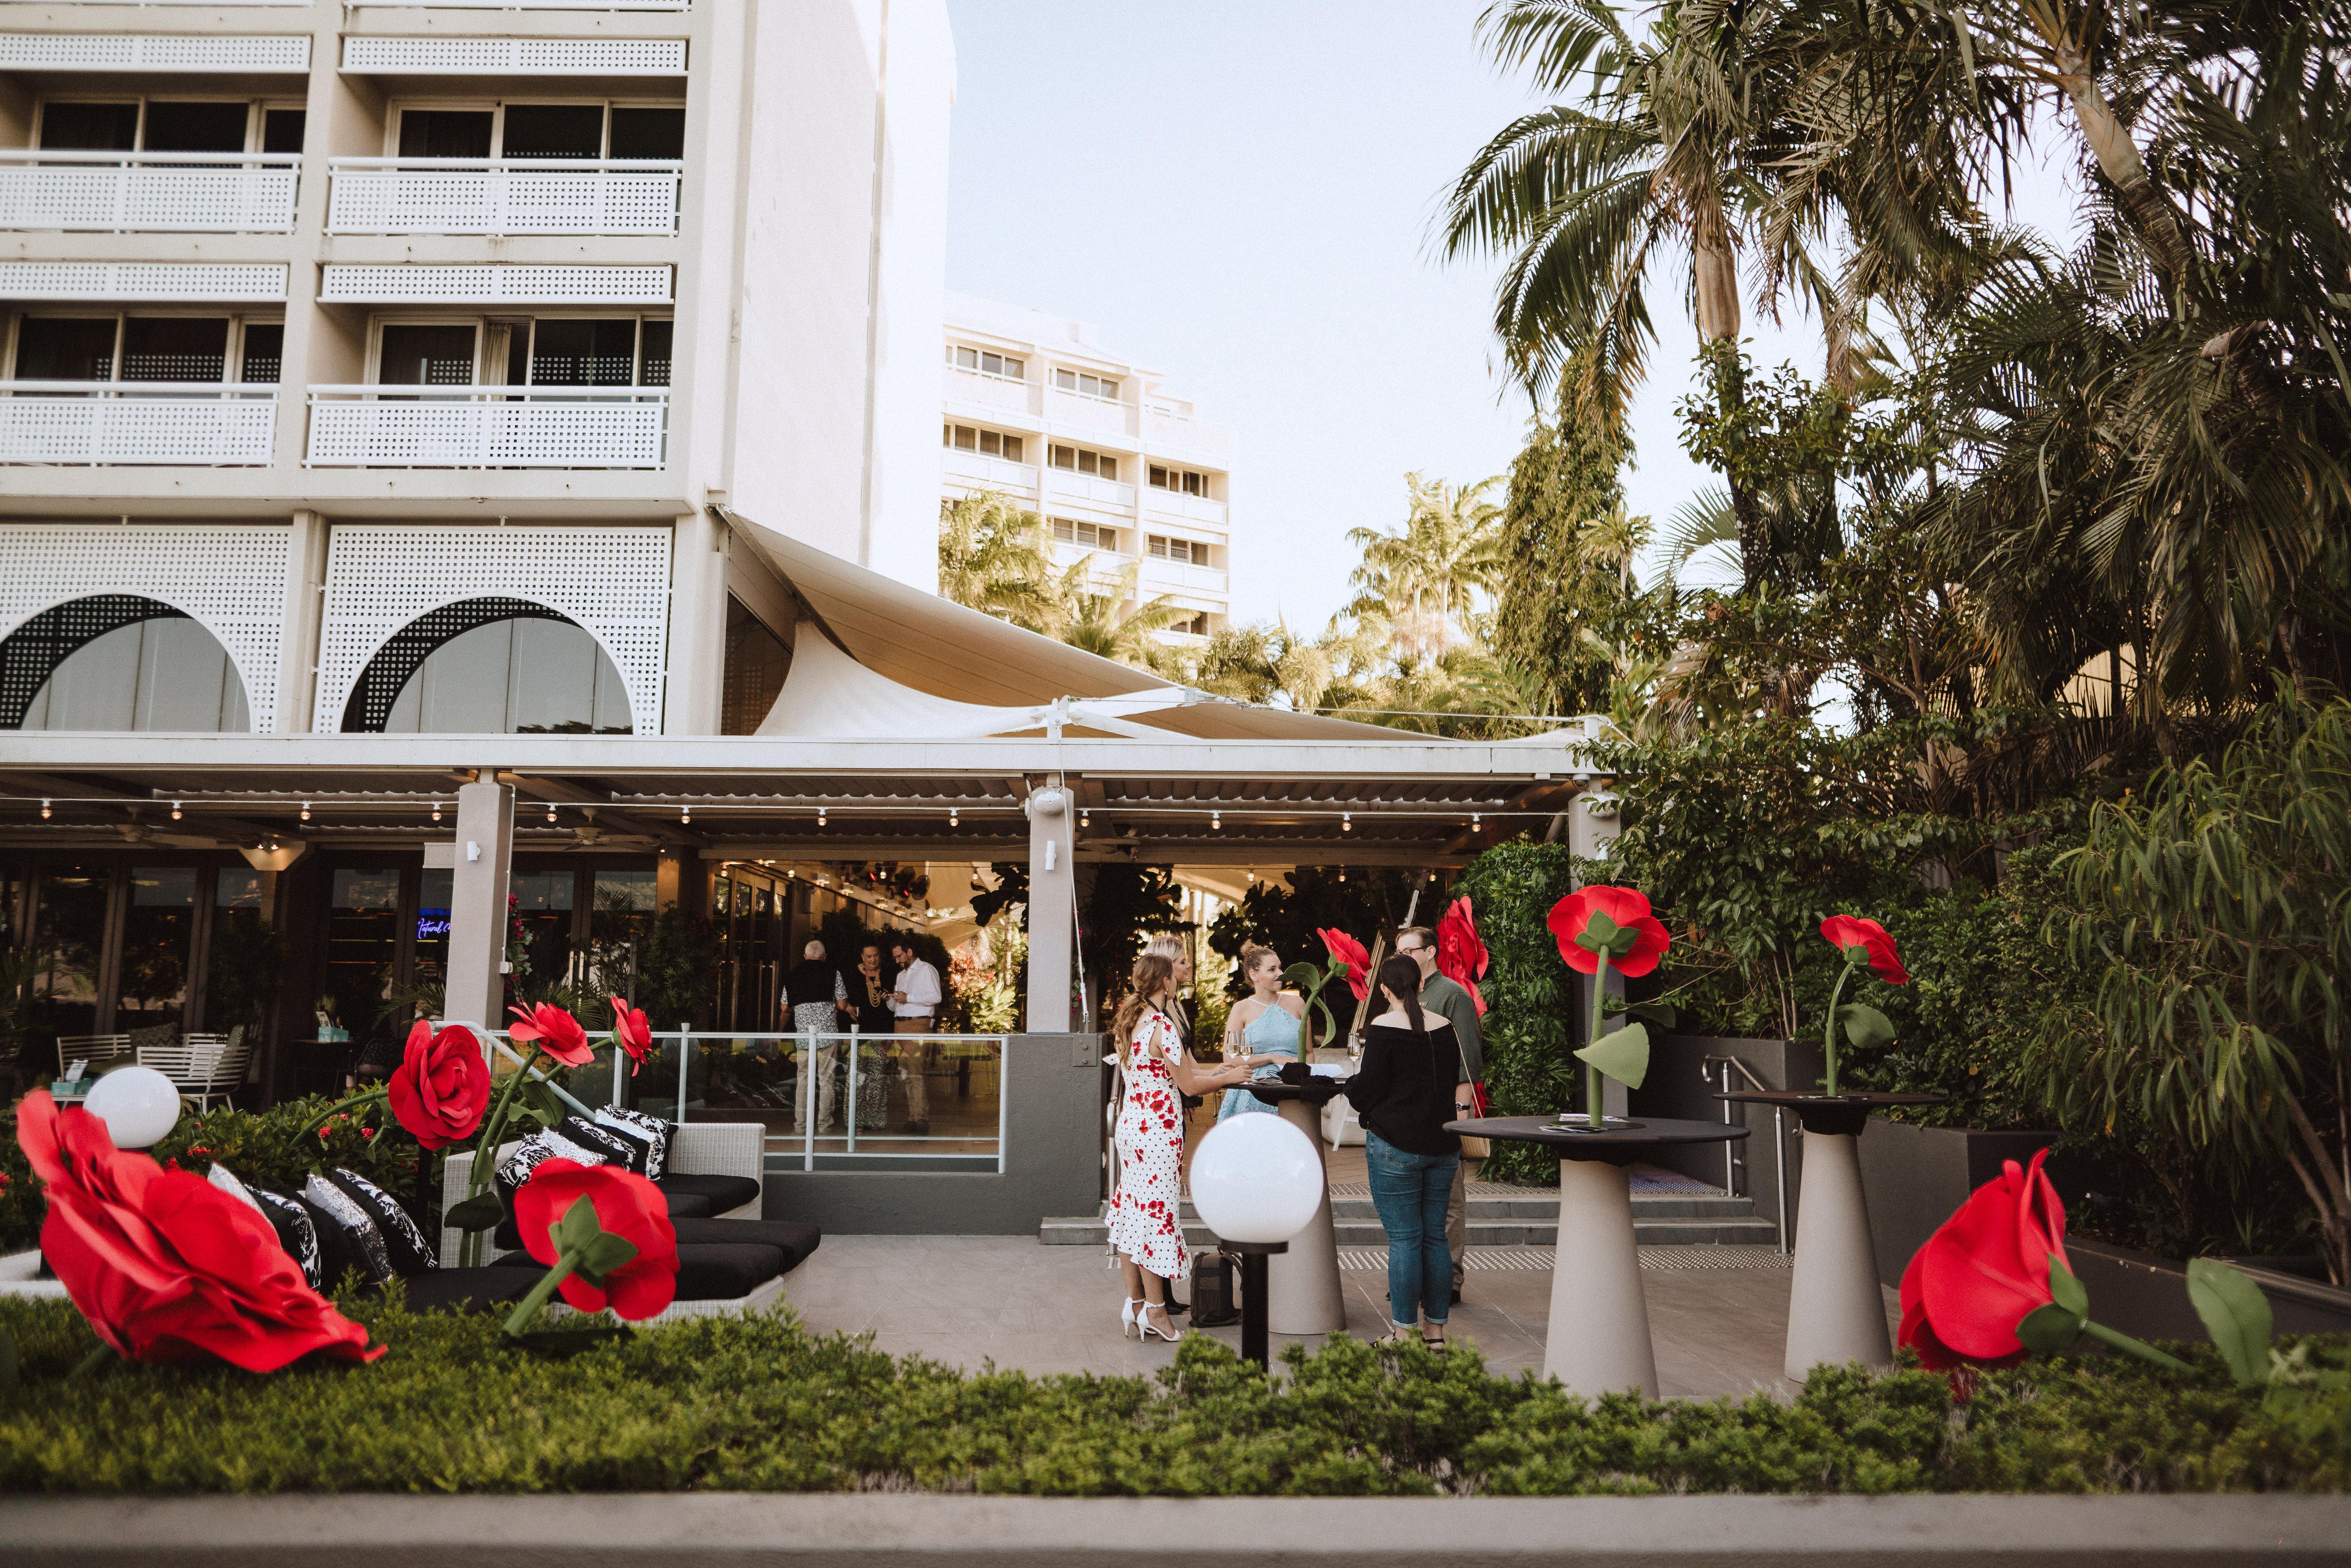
(1476, 1148)
(1213, 1305)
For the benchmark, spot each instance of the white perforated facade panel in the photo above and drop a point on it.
(494, 284)
(516, 56)
(180, 429)
(374, 196)
(208, 282)
(152, 52)
(614, 583)
(145, 194)
(231, 579)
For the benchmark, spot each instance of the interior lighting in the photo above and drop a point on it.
(954, 816)
(684, 815)
(550, 810)
(306, 810)
(45, 811)
(1346, 822)
(1216, 821)
(1473, 821)
(436, 811)
(1085, 819)
(820, 816)
(176, 811)
(1342, 876)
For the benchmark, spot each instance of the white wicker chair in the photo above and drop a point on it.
(202, 1067)
(98, 1049)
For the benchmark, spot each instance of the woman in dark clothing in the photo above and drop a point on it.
(1404, 1093)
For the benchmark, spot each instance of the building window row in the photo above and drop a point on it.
(147, 348)
(1102, 464)
(1092, 536)
(580, 131)
(170, 125)
(1186, 551)
(992, 443)
(1183, 481)
(1198, 626)
(1086, 384)
(986, 363)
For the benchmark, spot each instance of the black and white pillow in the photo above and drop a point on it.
(286, 1216)
(651, 1132)
(539, 1147)
(348, 1234)
(403, 1243)
(611, 1148)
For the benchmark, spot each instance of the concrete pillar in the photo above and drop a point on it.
(696, 675)
(297, 652)
(477, 906)
(1053, 909)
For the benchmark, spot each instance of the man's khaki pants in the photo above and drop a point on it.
(914, 1064)
(1457, 1217)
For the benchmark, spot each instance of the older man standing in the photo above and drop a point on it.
(914, 999)
(1447, 998)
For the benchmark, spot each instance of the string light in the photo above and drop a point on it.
(306, 810)
(1342, 876)
(820, 816)
(1346, 822)
(954, 816)
(684, 815)
(550, 810)
(436, 811)
(176, 811)
(1473, 821)
(45, 811)
(1216, 821)
(1085, 819)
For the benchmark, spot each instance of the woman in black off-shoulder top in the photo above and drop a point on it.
(1404, 1094)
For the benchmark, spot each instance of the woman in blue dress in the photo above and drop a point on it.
(1263, 1024)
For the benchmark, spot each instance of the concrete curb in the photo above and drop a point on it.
(740, 1530)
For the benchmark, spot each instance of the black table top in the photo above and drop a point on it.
(1617, 1145)
(1321, 1092)
(1820, 1113)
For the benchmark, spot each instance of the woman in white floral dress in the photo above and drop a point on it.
(1146, 1222)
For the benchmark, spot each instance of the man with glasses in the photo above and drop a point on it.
(1450, 999)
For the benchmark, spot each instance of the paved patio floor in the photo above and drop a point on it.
(970, 1301)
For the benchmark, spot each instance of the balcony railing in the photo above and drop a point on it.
(487, 427)
(1192, 508)
(990, 473)
(495, 196)
(110, 424)
(1087, 487)
(1182, 576)
(988, 392)
(1074, 409)
(159, 193)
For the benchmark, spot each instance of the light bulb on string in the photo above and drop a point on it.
(684, 815)
(45, 811)
(1474, 821)
(550, 810)
(954, 816)
(306, 810)
(820, 816)
(1216, 821)
(436, 811)
(1085, 819)
(1342, 876)
(176, 811)
(1346, 822)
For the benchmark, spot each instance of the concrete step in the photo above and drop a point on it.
(1645, 1205)
(1091, 1230)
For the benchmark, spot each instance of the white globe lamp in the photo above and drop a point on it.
(138, 1104)
(1256, 1179)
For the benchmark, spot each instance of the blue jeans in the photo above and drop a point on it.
(1410, 1192)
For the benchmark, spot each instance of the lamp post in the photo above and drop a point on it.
(1257, 1181)
(138, 1104)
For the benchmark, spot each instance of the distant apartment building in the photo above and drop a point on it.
(1122, 471)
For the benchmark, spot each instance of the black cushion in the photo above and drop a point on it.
(347, 1236)
(286, 1216)
(725, 1192)
(404, 1245)
(706, 1270)
(548, 1143)
(464, 1289)
(651, 1133)
(609, 1147)
(794, 1239)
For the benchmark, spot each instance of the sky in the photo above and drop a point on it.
(1240, 196)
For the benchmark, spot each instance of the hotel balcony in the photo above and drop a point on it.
(498, 196)
(1190, 508)
(977, 389)
(191, 424)
(981, 472)
(1181, 577)
(149, 192)
(1067, 484)
(1076, 412)
(487, 427)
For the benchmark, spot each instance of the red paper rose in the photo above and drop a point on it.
(442, 1085)
(632, 1033)
(1350, 952)
(1844, 931)
(1460, 954)
(1572, 916)
(627, 1206)
(1976, 1278)
(166, 1266)
(557, 1032)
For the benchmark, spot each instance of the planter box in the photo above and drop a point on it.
(1917, 1178)
(2145, 1295)
(1680, 1084)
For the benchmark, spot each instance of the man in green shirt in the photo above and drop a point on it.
(1450, 999)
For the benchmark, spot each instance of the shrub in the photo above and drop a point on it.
(760, 1405)
(1529, 994)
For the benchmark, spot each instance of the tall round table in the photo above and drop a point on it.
(1835, 1310)
(1598, 1338)
(1303, 1294)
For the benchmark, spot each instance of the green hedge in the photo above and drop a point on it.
(762, 1405)
(1529, 1026)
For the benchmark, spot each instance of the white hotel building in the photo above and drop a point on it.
(1121, 469)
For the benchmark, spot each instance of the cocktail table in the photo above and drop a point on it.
(1302, 1292)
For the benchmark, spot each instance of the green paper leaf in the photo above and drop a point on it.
(1864, 1026)
(2049, 1331)
(578, 1227)
(1665, 1015)
(1622, 1055)
(1599, 934)
(603, 1255)
(1627, 938)
(479, 1212)
(2066, 1290)
(2236, 1315)
(1304, 978)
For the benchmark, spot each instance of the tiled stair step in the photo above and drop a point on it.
(1091, 1230)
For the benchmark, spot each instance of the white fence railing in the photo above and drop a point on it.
(1087, 487)
(110, 424)
(1183, 575)
(161, 192)
(487, 427)
(1192, 508)
(993, 473)
(496, 197)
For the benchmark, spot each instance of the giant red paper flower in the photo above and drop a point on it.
(1987, 1266)
(1350, 952)
(442, 1085)
(1460, 954)
(627, 1206)
(1844, 931)
(556, 1031)
(632, 1033)
(1629, 909)
(166, 1266)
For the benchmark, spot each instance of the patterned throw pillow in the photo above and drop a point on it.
(286, 1216)
(515, 1168)
(651, 1132)
(611, 1148)
(348, 1234)
(403, 1243)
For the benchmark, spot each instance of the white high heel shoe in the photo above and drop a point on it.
(1149, 1329)
(1129, 1316)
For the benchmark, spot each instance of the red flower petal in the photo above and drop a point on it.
(1844, 931)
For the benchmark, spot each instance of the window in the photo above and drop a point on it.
(584, 353)
(1086, 384)
(1184, 551)
(171, 125)
(147, 349)
(1198, 626)
(1092, 536)
(991, 443)
(1181, 480)
(988, 363)
(1101, 463)
(543, 131)
(420, 355)
(756, 663)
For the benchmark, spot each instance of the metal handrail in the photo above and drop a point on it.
(411, 391)
(520, 165)
(139, 160)
(1735, 1163)
(145, 388)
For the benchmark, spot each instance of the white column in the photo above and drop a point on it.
(1053, 909)
(697, 627)
(1598, 1339)
(477, 906)
(1836, 1311)
(297, 651)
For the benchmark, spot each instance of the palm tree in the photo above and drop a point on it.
(1113, 625)
(996, 558)
(1429, 579)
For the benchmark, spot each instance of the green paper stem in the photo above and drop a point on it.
(90, 1364)
(364, 1097)
(1590, 1071)
(486, 1152)
(2117, 1340)
(528, 1308)
(1828, 1034)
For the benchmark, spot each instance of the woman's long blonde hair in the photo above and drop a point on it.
(1154, 976)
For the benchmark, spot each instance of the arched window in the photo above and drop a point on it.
(490, 666)
(118, 661)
